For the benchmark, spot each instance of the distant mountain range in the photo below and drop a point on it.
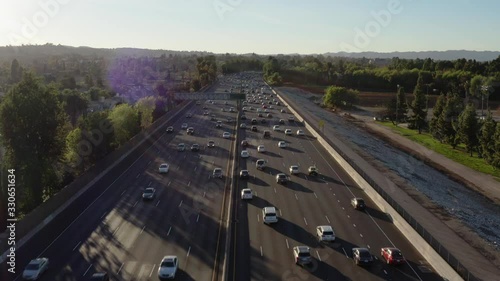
(435, 55)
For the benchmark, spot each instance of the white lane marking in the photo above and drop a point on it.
(305, 220)
(149, 162)
(123, 192)
(385, 272)
(118, 272)
(348, 216)
(138, 175)
(275, 190)
(343, 208)
(168, 232)
(198, 217)
(150, 183)
(79, 242)
(135, 203)
(87, 270)
(169, 183)
(258, 218)
(103, 215)
(189, 183)
(157, 203)
(281, 215)
(317, 253)
(368, 246)
(189, 250)
(306, 177)
(116, 230)
(287, 245)
(293, 153)
(195, 168)
(152, 269)
(142, 230)
(283, 164)
(345, 252)
(354, 225)
(361, 235)
(255, 193)
(327, 219)
(315, 195)
(180, 204)
(261, 252)
(178, 166)
(204, 193)
(296, 196)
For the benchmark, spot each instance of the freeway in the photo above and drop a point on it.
(262, 252)
(119, 233)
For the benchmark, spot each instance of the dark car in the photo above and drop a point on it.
(101, 276)
(254, 128)
(195, 147)
(263, 121)
(362, 256)
(358, 203)
(244, 174)
(243, 117)
(148, 193)
(254, 121)
(244, 143)
(170, 129)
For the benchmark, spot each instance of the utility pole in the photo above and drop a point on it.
(397, 105)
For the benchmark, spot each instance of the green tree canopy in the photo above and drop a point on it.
(468, 128)
(418, 106)
(340, 97)
(125, 120)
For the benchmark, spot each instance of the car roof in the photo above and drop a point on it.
(169, 258)
(302, 249)
(361, 250)
(37, 260)
(294, 166)
(269, 209)
(326, 227)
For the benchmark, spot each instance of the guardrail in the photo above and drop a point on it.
(447, 265)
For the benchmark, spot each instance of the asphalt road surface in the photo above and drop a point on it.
(127, 237)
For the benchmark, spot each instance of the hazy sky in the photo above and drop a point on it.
(260, 26)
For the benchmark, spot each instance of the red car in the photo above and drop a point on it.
(264, 106)
(392, 255)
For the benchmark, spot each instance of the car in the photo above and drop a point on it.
(244, 174)
(276, 128)
(266, 110)
(210, 143)
(244, 154)
(294, 169)
(283, 111)
(213, 118)
(244, 143)
(260, 164)
(254, 121)
(282, 144)
(263, 121)
(231, 109)
(226, 135)
(261, 148)
(184, 126)
(260, 115)
(148, 193)
(181, 147)
(358, 203)
(246, 194)
(189, 115)
(269, 215)
(205, 107)
(312, 170)
(223, 110)
(243, 126)
(269, 115)
(325, 233)
(217, 173)
(99, 276)
(198, 102)
(190, 131)
(35, 268)
(281, 178)
(244, 108)
(163, 169)
(218, 124)
(205, 112)
(281, 121)
(254, 129)
(300, 133)
(288, 132)
(229, 120)
(170, 129)
(271, 107)
(362, 256)
(302, 255)
(243, 117)
(392, 255)
(291, 119)
(195, 147)
(267, 134)
(168, 267)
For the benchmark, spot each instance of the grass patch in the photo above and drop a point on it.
(459, 154)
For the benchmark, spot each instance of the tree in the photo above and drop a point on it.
(402, 106)
(89, 82)
(436, 112)
(68, 82)
(418, 106)
(445, 131)
(496, 156)
(74, 104)
(486, 138)
(340, 97)
(145, 106)
(125, 120)
(390, 111)
(15, 71)
(468, 128)
(33, 128)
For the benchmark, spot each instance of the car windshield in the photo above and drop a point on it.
(271, 214)
(148, 191)
(361, 201)
(327, 233)
(163, 165)
(32, 266)
(167, 264)
(304, 255)
(397, 254)
(364, 254)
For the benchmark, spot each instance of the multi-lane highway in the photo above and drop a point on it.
(119, 233)
(127, 237)
(264, 252)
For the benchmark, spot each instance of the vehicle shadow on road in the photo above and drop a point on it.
(295, 186)
(325, 178)
(271, 154)
(292, 149)
(183, 275)
(295, 232)
(257, 181)
(324, 271)
(339, 245)
(378, 214)
(260, 202)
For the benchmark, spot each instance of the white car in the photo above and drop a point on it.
(294, 169)
(181, 147)
(168, 267)
(261, 148)
(163, 168)
(282, 144)
(246, 193)
(243, 126)
(244, 154)
(211, 143)
(300, 133)
(288, 132)
(325, 233)
(35, 268)
(276, 128)
(226, 135)
(184, 126)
